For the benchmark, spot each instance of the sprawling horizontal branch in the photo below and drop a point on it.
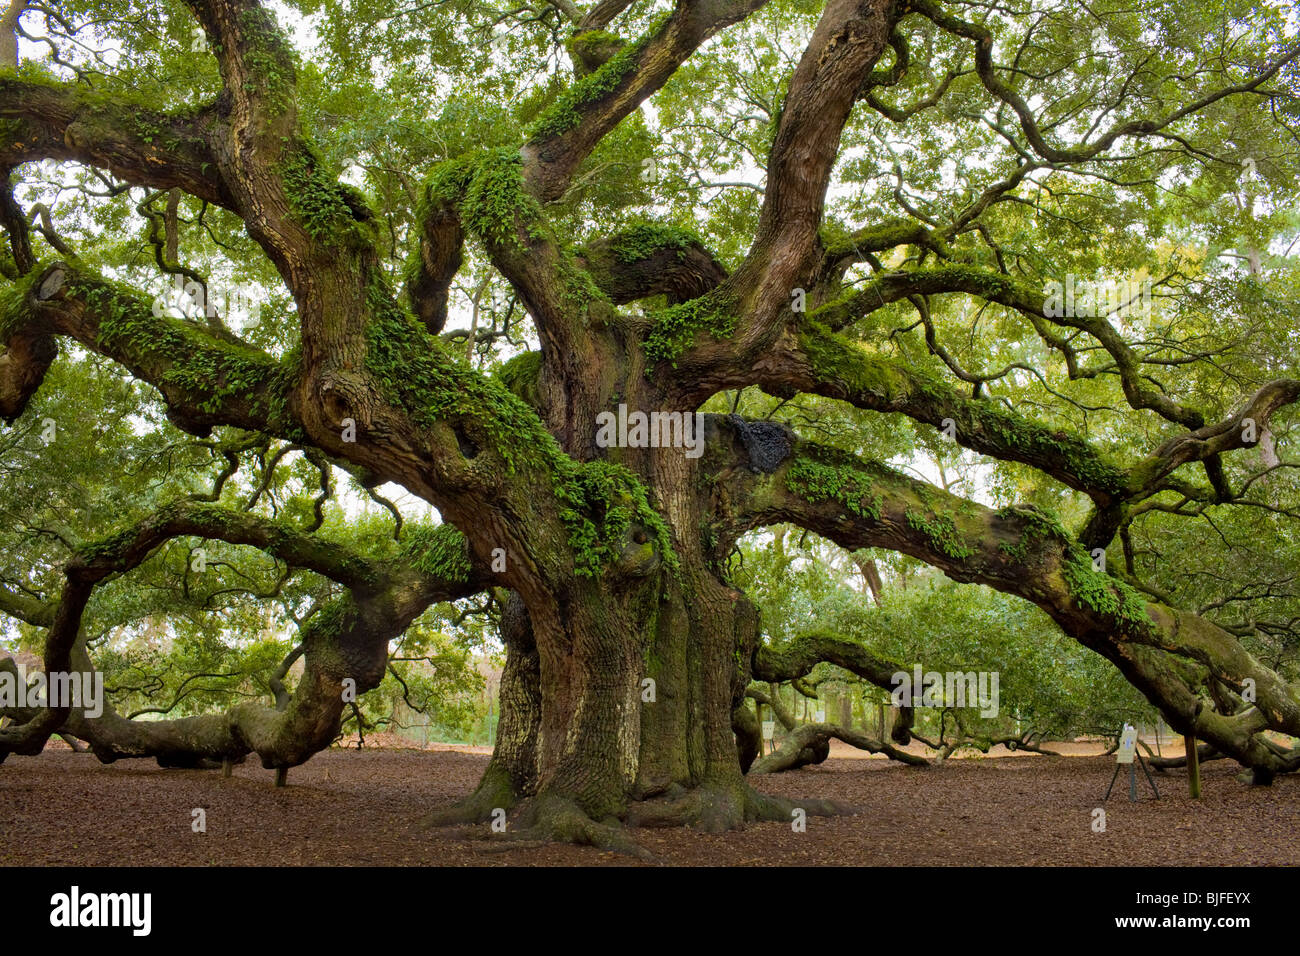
(137, 144)
(345, 640)
(1166, 653)
(405, 410)
(205, 378)
(1013, 293)
(952, 278)
(815, 736)
(840, 253)
(1242, 429)
(27, 608)
(799, 656)
(361, 574)
(245, 152)
(827, 364)
(1034, 132)
(440, 568)
(963, 739)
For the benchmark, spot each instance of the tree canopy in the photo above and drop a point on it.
(311, 307)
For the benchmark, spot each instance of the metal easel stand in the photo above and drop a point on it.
(1132, 779)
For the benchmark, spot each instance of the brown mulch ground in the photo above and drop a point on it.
(359, 808)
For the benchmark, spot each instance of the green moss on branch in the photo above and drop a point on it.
(1104, 594)
(818, 479)
(439, 551)
(566, 112)
(676, 328)
(643, 240)
(599, 502)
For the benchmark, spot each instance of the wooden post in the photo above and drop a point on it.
(225, 766)
(1193, 766)
(281, 776)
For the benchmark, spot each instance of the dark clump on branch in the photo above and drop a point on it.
(767, 443)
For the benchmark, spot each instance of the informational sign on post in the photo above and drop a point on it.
(820, 716)
(769, 728)
(1127, 744)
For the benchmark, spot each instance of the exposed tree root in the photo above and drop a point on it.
(717, 809)
(549, 818)
(495, 791)
(711, 809)
(763, 807)
(1257, 776)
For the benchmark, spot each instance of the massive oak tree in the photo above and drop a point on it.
(775, 213)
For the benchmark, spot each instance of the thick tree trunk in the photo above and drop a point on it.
(639, 672)
(621, 700)
(619, 706)
(638, 691)
(511, 774)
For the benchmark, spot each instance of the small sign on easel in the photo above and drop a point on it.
(1127, 745)
(1125, 755)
